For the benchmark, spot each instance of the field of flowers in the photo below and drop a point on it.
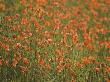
(54, 40)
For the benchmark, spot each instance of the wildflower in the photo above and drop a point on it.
(6, 47)
(24, 21)
(107, 58)
(14, 62)
(47, 23)
(59, 68)
(1, 62)
(107, 45)
(30, 7)
(23, 2)
(68, 65)
(92, 58)
(73, 80)
(74, 22)
(75, 39)
(20, 37)
(6, 62)
(25, 61)
(72, 73)
(78, 64)
(24, 11)
(97, 69)
(59, 59)
(87, 37)
(41, 62)
(95, 4)
(23, 69)
(49, 40)
(18, 45)
(36, 23)
(59, 52)
(2, 6)
(42, 2)
(86, 61)
(108, 69)
(17, 15)
(48, 66)
(14, 36)
(18, 57)
(108, 80)
(107, 2)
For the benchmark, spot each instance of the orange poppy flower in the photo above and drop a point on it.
(25, 61)
(97, 69)
(75, 39)
(1, 62)
(59, 68)
(107, 2)
(23, 69)
(14, 62)
(108, 69)
(42, 2)
(108, 80)
(24, 21)
(23, 2)
(78, 64)
(107, 58)
(41, 62)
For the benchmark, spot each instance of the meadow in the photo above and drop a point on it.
(54, 40)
